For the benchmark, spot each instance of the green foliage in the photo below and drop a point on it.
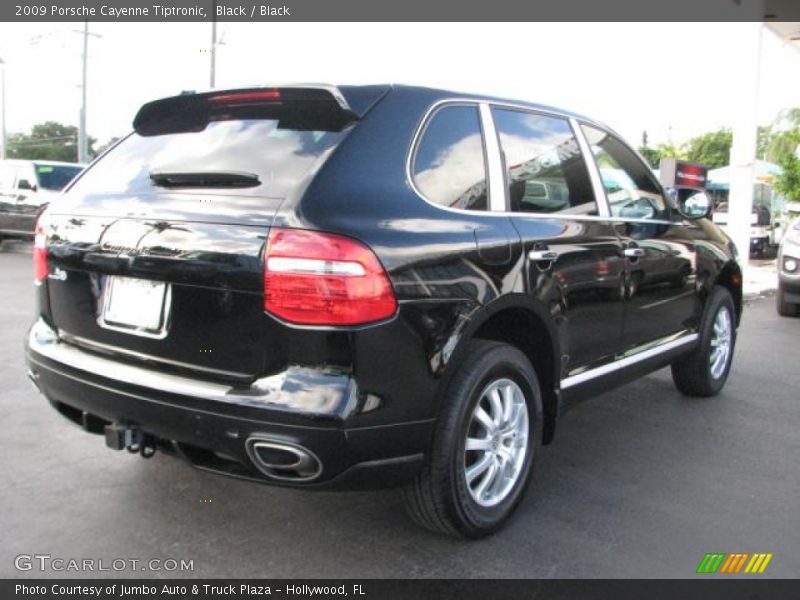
(778, 140)
(47, 141)
(665, 150)
(712, 149)
(787, 184)
(651, 155)
(106, 146)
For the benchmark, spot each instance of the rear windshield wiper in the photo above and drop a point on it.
(234, 179)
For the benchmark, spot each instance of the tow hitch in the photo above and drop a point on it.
(132, 439)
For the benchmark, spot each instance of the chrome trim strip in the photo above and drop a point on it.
(620, 364)
(601, 199)
(91, 345)
(44, 341)
(497, 185)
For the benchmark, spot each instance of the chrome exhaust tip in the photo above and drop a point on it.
(283, 461)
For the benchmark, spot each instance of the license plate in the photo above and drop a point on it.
(138, 305)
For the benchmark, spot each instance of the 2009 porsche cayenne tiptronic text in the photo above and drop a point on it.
(333, 287)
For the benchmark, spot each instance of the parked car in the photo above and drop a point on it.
(26, 188)
(324, 287)
(788, 215)
(764, 235)
(788, 296)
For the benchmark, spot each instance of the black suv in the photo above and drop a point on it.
(325, 287)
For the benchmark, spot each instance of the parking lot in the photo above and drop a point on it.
(640, 482)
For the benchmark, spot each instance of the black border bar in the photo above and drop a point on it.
(711, 588)
(398, 10)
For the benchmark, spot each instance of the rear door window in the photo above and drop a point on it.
(450, 160)
(545, 171)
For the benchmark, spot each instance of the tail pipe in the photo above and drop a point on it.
(282, 460)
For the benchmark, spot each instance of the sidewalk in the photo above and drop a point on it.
(760, 277)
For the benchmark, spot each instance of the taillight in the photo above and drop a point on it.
(313, 278)
(40, 269)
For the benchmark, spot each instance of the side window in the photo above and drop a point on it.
(449, 162)
(26, 175)
(545, 170)
(630, 186)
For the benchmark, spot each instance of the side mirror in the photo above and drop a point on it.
(694, 205)
(24, 184)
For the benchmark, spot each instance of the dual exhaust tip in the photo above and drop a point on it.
(283, 461)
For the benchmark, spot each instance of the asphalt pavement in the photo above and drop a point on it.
(640, 482)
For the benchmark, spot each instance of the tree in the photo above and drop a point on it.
(712, 149)
(47, 141)
(665, 150)
(764, 138)
(787, 183)
(651, 155)
(106, 146)
(781, 137)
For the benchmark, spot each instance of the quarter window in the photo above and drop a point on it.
(630, 186)
(545, 170)
(450, 162)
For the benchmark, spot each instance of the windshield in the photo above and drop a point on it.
(281, 157)
(55, 177)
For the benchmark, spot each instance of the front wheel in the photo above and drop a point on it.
(486, 438)
(704, 371)
(785, 309)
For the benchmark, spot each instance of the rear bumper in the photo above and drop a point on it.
(209, 423)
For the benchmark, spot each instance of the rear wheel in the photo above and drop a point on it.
(484, 446)
(785, 309)
(704, 371)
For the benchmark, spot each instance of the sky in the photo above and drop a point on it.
(670, 79)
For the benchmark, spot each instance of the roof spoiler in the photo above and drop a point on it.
(308, 107)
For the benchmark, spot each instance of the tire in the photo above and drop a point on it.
(785, 309)
(695, 374)
(442, 498)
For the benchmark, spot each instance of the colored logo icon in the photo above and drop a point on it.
(737, 562)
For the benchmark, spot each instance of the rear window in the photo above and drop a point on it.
(55, 177)
(281, 157)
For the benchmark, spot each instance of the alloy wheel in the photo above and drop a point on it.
(721, 338)
(497, 442)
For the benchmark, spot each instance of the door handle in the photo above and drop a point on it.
(634, 252)
(542, 255)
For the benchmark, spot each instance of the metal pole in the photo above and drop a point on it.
(83, 147)
(3, 114)
(213, 45)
